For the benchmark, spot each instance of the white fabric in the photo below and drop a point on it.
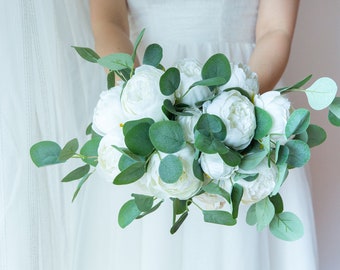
(48, 92)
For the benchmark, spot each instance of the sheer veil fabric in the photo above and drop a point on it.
(48, 93)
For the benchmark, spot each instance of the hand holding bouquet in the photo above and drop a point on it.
(201, 136)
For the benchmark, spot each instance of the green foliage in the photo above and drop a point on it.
(170, 169)
(89, 151)
(80, 184)
(265, 212)
(197, 170)
(333, 119)
(116, 61)
(212, 126)
(77, 173)
(316, 135)
(251, 215)
(264, 123)
(130, 174)
(286, 226)
(334, 112)
(299, 153)
(172, 109)
(321, 93)
(252, 160)
(179, 222)
(128, 213)
(169, 81)
(236, 197)
(213, 188)
(111, 79)
(295, 86)
(215, 81)
(87, 54)
(45, 153)
(219, 217)
(249, 177)
(167, 136)
(217, 66)
(297, 122)
(153, 55)
(136, 45)
(144, 203)
(69, 150)
(277, 202)
(281, 177)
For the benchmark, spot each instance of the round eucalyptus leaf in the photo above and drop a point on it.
(153, 55)
(335, 107)
(265, 212)
(87, 54)
(287, 226)
(90, 151)
(138, 141)
(167, 136)
(316, 135)
(170, 169)
(321, 93)
(128, 213)
(69, 150)
(217, 66)
(211, 125)
(333, 119)
(45, 153)
(251, 215)
(299, 153)
(116, 61)
(297, 122)
(130, 174)
(169, 81)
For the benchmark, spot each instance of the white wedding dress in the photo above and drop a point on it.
(39, 227)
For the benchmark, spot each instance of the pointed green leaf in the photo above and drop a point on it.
(299, 153)
(136, 44)
(128, 213)
(111, 79)
(130, 174)
(87, 53)
(264, 123)
(265, 212)
(219, 217)
(333, 119)
(215, 81)
(236, 197)
(116, 61)
(295, 86)
(69, 150)
(252, 160)
(89, 151)
(77, 173)
(179, 222)
(213, 188)
(80, 184)
(297, 122)
(143, 202)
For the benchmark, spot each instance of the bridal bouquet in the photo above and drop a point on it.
(200, 136)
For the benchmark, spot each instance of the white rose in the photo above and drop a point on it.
(237, 113)
(188, 123)
(185, 187)
(278, 108)
(108, 114)
(262, 186)
(243, 77)
(214, 166)
(108, 156)
(190, 71)
(141, 96)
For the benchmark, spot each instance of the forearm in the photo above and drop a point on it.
(270, 58)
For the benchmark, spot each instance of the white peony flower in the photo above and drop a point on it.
(262, 186)
(214, 166)
(243, 77)
(141, 96)
(186, 186)
(189, 122)
(237, 113)
(278, 108)
(108, 156)
(108, 114)
(190, 71)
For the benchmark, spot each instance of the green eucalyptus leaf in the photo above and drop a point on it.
(130, 174)
(153, 209)
(217, 66)
(116, 61)
(204, 144)
(69, 150)
(131, 124)
(295, 86)
(241, 90)
(89, 151)
(167, 136)
(45, 153)
(87, 54)
(179, 206)
(231, 158)
(213, 188)
(211, 125)
(219, 217)
(197, 170)
(215, 81)
(80, 184)
(277, 202)
(246, 177)
(77, 173)
(168, 106)
(303, 136)
(321, 93)
(179, 222)
(287, 226)
(136, 44)
(236, 197)
(126, 161)
(153, 55)
(299, 153)
(316, 135)
(282, 155)
(297, 122)
(252, 160)
(143, 202)
(251, 215)
(170, 169)
(281, 177)
(333, 119)
(128, 213)
(265, 212)
(111, 79)
(137, 139)
(335, 107)
(264, 123)
(169, 81)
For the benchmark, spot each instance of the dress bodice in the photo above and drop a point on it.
(195, 23)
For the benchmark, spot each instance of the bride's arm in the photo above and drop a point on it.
(274, 33)
(110, 26)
